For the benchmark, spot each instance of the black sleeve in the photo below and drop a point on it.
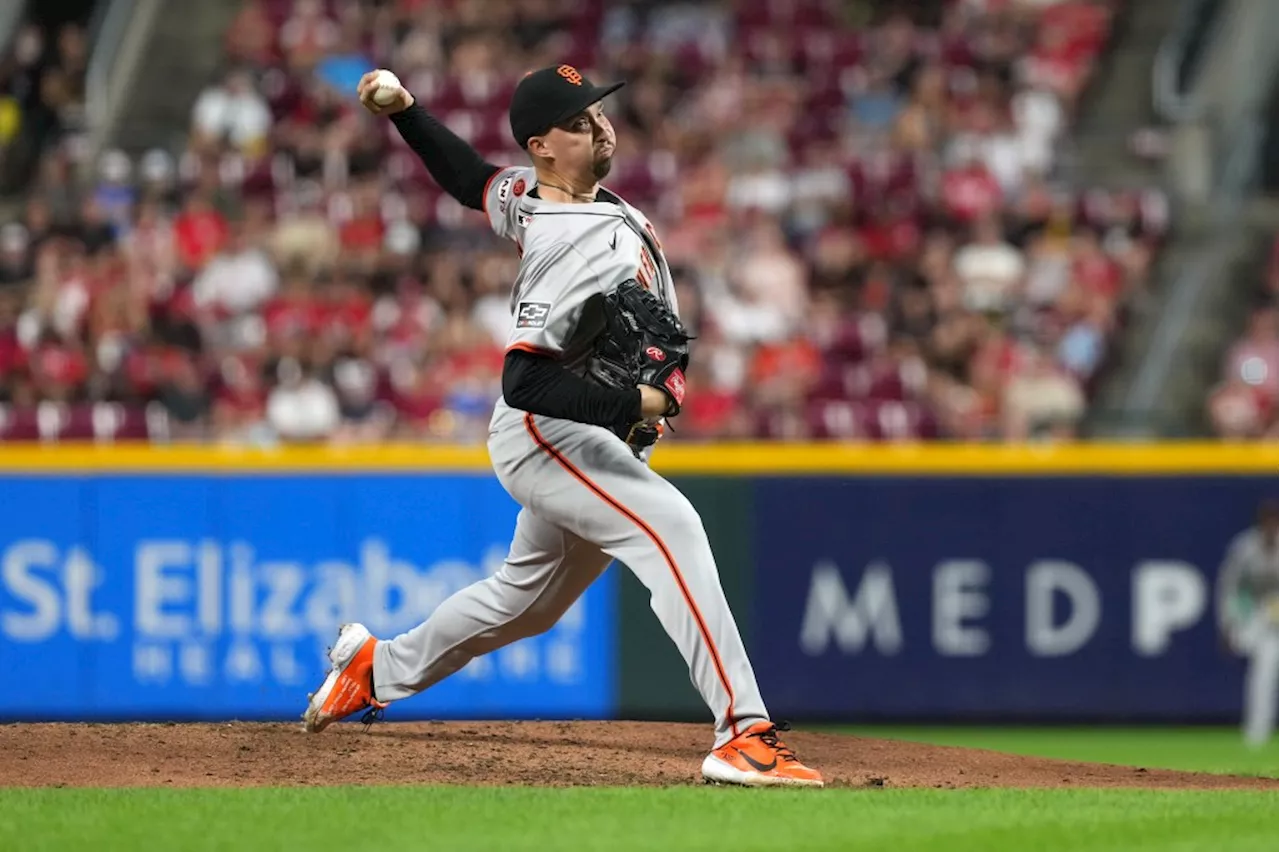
(537, 384)
(453, 163)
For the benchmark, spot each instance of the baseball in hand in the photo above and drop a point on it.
(386, 88)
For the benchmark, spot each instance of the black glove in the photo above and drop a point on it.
(643, 343)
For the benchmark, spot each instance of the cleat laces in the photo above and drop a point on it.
(770, 738)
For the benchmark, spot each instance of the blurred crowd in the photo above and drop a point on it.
(860, 201)
(1243, 404)
(42, 94)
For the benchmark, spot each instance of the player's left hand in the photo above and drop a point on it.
(654, 402)
(643, 343)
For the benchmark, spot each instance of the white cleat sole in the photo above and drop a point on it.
(716, 771)
(351, 638)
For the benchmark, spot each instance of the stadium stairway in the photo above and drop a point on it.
(1118, 104)
(1207, 267)
(182, 55)
(1181, 410)
(1120, 100)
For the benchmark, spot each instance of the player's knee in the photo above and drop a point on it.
(538, 617)
(536, 621)
(681, 522)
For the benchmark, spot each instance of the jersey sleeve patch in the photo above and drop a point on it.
(502, 201)
(532, 314)
(504, 193)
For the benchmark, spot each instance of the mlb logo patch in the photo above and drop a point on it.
(532, 314)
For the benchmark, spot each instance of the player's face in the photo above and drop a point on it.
(584, 144)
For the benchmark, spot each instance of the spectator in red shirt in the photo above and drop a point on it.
(295, 313)
(344, 310)
(711, 412)
(969, 191)
(1253, 360)
(239, 405)
(200, 231)
(12, 355)
(1240, 413)
(1092, 269)
(250, 38)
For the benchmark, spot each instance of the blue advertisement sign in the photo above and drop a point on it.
(186, 597)
(997, 598)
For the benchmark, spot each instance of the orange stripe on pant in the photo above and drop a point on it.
(649, 531)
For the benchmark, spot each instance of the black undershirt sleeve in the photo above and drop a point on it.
(537, 384)
(453, 163)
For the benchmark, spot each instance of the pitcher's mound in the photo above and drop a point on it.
(495, 753)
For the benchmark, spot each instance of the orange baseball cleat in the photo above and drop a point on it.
(757, 758)
(348, 688)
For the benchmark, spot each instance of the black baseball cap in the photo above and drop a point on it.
(548, 96)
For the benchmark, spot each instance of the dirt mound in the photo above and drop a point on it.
(497, 753)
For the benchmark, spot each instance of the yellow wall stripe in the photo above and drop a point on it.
(672, 457)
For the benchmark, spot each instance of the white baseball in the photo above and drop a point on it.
(387, 88)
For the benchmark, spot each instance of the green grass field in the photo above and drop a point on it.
(689, 818)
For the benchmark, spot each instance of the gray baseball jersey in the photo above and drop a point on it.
(1248, 584)
(586, 499)
(1248, 610)
(571, 256)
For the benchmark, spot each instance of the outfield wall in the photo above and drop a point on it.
(871, 583)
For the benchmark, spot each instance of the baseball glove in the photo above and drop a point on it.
(643, 343)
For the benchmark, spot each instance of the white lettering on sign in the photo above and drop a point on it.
(831, 614)
(1168, 596)
(959, 595)
(1045, 579)
(162, 577)
(24, 566)
(277, 615)
(52, 591)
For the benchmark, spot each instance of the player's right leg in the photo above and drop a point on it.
(584, 479)
(546, 570)
(1259, 721)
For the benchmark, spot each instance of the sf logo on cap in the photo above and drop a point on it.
(570, 73)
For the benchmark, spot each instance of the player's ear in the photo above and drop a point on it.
(538, 147)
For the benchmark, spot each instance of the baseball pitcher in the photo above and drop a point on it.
(594, 365)
(1247, 619)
